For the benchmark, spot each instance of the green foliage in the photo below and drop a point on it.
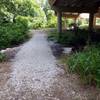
(83, 26)
(23, 21)
(51, 19)
(38, 22)
(98, 21)
(10, 9)
(50, 16)
(21, 7)
(2, 57)
(53, 35)
(12, 34)
(70, 38)
(87, 64)
(16, 18)
(69, 22)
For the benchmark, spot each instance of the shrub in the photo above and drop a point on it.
(87, 64)
(53, 35)
(38, 22)
(21, 20)
(70, 38)
(51, 19)
(52, 23)
(69, 22)
(2, 57)
(13, 33)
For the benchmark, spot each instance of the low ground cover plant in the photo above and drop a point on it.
(86, 64)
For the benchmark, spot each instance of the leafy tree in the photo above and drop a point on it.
(20, 7)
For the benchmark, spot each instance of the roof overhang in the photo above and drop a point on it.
(79, 6)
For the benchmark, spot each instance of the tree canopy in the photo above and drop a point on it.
(12, 8)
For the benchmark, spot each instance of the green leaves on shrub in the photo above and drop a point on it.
(13, 34)
(70, 38)
(38, 22)
(2, 57)
(87, 64)
(53, 35)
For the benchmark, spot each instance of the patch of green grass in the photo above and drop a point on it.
(86, 64)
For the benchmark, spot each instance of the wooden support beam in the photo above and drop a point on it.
(75, 9)
(91, 19)
(59, 14)
(94, 22)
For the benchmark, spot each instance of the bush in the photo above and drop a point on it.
(53, 35)
(70, 38)
(13, 33)
(52, 23)
(69, 22)
(38, 23)
(87, 64)
(2, 57)
(21, 20)
(26, 21)
(51, 19)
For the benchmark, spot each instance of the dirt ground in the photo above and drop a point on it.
(79, 90)
(4, 73)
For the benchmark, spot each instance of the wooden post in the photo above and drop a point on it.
(91, 19)
(94, 22)
(65, 24)
(59, 14)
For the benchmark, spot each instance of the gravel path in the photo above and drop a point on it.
(34, 72)
(36, 76)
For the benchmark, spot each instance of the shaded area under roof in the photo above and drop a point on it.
(80, 6)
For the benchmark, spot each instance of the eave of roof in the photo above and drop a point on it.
(80, 6)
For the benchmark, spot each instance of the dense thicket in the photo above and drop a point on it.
(17, 16)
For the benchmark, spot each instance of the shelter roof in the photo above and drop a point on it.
(79, 6)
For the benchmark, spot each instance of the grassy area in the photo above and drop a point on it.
(86, 64)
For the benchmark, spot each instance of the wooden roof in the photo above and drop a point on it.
(98, 14)
(80, 6)
(70, 15)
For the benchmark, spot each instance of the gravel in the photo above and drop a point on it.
(36, 75)
(34, 70)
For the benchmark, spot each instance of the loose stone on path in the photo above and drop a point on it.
(34, 71)
(36, 76)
